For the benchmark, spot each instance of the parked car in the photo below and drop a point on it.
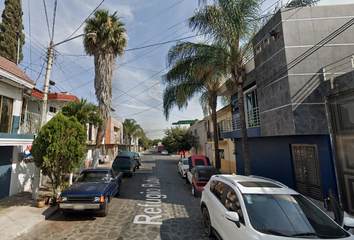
(103, 158)
(183, 166)
(199, 176)
(135, 156)
(125, 164)
(240, 207)
(92, 191)
(195, 160)
(164, 152)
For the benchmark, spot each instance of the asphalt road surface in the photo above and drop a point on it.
(154, 204)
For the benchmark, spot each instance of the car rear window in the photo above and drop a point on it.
(207, 173)
(122, 160)
(259, 184)
(199, 162)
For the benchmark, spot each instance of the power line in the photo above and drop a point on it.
(85, 20)
(155, 16)
(46, 16)
(54, 14)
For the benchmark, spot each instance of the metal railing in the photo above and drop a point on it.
(29, 123)
(234, 123)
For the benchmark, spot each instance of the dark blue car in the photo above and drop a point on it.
(92, 191)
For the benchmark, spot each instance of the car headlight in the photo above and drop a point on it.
(97, 199)
(63, 199)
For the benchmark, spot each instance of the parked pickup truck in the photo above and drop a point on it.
(92, 191)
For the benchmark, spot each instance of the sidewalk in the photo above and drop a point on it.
(18, 213)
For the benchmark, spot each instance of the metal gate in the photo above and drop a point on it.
(306, 170)
(5, 171)
(342, 117)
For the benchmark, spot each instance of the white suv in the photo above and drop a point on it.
(240, 207)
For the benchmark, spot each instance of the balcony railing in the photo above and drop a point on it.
(30, 123)
(234, 123)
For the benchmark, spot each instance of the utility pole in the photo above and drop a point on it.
(37, 171)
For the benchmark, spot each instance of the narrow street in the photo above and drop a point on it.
(176, 217)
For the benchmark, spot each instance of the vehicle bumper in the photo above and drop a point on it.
(199, 189)
(81, 207)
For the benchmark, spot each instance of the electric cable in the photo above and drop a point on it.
(46, 16)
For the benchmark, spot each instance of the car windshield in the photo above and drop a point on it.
(93, 177)
(289, 215)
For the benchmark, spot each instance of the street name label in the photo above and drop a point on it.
(152, 204)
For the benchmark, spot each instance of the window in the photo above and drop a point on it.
(221, 154)
(52, 109)
(5, 114)
(266, 41)
(251, 108)
(219, 189)
(258, 48)
(232, 203)
(90, 132)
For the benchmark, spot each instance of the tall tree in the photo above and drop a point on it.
(59, 148)
(108, 43)
(131, 129)
(231, 24)
(178, 139)
(11, 35)
(196, 69)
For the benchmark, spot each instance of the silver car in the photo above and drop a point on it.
(183, 166)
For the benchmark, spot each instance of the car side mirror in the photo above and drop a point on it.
(348, 222)
(233, 217)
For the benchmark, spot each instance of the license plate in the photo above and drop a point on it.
(79, 207)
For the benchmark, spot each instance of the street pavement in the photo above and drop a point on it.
(131, 215)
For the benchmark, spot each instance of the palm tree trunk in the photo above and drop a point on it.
(245, 146)
(213, 104)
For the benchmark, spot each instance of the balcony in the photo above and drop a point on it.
(29, 123)
(234, 123)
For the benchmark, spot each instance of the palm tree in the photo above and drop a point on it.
(108, 43)
(85, 113)
(131, 129)
(196, 69)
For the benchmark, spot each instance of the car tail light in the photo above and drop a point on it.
(131, 167)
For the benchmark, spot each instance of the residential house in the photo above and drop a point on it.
(205, 145)
(299, 102)
(113, 137)
(14, 84)
(133, 145)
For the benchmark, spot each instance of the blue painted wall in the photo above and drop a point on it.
(271, 157)
(5, 170)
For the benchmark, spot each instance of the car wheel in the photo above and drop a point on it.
(206, 223)
(131, 174)
(194, 191)
(105, 210)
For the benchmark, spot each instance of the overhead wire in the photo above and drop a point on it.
(85, 20)
(46, 16)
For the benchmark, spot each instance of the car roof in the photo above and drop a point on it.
(256, 184)
(198, 167)
(96, 169)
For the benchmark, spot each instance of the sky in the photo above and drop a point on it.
(152, 27)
